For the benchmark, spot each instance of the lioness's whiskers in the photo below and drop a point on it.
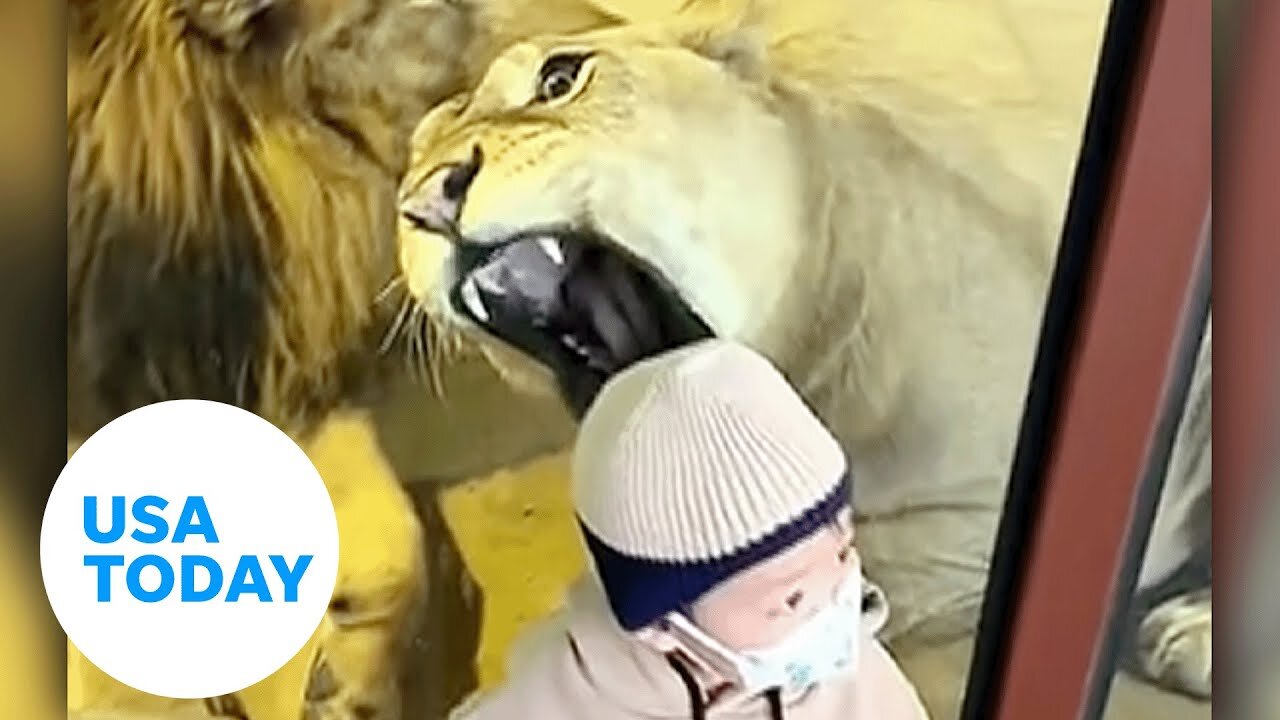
(410, 348)
(435, 357)
(393, 284)
(392, 333)
(418, 353)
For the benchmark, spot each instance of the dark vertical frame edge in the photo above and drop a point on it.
(1104, 128)
(1152, 482)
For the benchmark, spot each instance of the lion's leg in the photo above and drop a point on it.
(1171, 630)
(1170, 635)
(427, 648)
(456, 439)
(1174, 644)
(357, 656)
(441, 666)
(350, 667)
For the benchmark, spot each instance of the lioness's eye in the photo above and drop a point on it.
(558, 75)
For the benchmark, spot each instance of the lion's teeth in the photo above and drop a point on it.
(551, 247)
(491, 286)
(573, 344)
(471, 296)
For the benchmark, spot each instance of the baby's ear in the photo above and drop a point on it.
(658, 637)
(844, 520)
(661, 639)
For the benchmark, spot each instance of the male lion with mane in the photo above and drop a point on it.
(232, 170)
(784, 173)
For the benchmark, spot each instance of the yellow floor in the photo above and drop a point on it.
(518, 536)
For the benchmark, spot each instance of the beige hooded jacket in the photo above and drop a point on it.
(581, 665)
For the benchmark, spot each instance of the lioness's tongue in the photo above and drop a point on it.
(521, 285)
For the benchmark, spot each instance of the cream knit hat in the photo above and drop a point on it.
(693, 466)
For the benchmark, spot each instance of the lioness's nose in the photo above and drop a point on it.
(436, 204)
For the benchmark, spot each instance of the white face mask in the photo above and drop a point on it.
(825, 646)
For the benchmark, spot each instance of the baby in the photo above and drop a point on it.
(725, 586)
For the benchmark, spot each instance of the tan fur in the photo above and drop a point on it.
(821, 193)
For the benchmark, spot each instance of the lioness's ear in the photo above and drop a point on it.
(742, 52)
(507, 23)
(729, 32)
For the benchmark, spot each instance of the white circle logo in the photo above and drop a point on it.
(189, 549)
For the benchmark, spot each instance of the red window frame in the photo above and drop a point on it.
(1113, 344)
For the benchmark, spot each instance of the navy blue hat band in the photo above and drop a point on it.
(642, 590)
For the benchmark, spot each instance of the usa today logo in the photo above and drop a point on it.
(189, 549)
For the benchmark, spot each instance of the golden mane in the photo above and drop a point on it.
(231, 180)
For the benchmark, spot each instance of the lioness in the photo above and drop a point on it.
(784, 174)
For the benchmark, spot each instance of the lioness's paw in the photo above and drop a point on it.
(328, 697)
(1175, 643)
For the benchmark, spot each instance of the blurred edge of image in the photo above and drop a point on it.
(32, 332)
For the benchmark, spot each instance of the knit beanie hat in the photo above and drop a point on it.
(693, 466)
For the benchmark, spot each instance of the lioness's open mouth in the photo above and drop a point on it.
(575, 302)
